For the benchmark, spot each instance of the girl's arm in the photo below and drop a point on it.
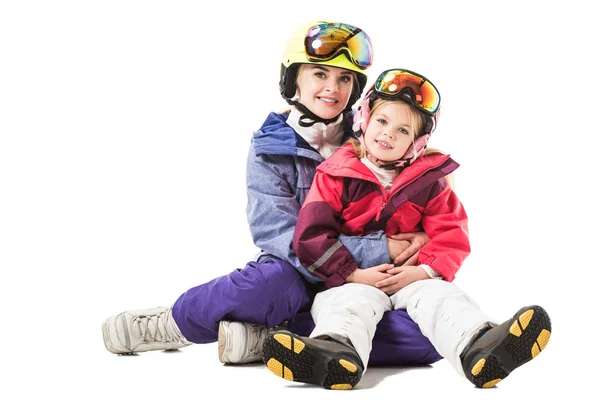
(445, 222)
(316, 238)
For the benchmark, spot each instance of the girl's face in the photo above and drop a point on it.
(390, 131)
(324, 90)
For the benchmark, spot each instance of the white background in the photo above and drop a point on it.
(124, 130)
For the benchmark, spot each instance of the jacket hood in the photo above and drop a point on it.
(275, 136)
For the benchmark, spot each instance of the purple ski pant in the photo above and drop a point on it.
(272, 292)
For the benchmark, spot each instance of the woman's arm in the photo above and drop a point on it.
(272, 207)
(408, 245)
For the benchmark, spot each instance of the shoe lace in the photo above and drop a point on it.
(154, 328)
(256, 338)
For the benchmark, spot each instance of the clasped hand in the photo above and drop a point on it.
(404, 251)
(388, 277)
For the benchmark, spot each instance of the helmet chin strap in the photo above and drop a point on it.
(381, 164)
(308, 118)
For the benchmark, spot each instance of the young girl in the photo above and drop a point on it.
(386, 180)
(322, 76)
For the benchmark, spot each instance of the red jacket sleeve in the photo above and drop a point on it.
(317, 231)
(445, 222)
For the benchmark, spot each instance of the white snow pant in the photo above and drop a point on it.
(445, 314)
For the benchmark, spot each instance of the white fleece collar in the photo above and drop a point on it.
(385, 176)
(323, 138)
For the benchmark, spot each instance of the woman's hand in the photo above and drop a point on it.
(400, 253)
(401, 277)
(396, 247)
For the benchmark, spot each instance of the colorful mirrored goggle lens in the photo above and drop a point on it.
(399, 81)
(325, 41)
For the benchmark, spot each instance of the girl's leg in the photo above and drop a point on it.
(445, 314)
(482, 351)
(336, 354)
(265, 293)
(398, 339)
(350, 312)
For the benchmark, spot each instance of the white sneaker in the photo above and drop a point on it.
(241, 342)
(142, 330)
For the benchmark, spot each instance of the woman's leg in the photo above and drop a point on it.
(399, 341)
(265, 293)
(262, 293)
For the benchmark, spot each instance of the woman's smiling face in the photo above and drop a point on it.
(324, 90)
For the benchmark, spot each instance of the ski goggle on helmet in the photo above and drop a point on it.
(327, 40)
(401, 82)
(331, 44)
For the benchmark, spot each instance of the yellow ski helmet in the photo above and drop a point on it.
(326, 43)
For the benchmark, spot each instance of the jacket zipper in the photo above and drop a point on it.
(383, 203)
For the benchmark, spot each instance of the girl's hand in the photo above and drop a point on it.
(370, 276)
(410, 254)
(401, 277)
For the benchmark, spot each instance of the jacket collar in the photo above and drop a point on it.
(345, 163)
(321, 137)
(277, 136)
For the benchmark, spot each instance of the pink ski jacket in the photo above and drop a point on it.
(346, 198)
